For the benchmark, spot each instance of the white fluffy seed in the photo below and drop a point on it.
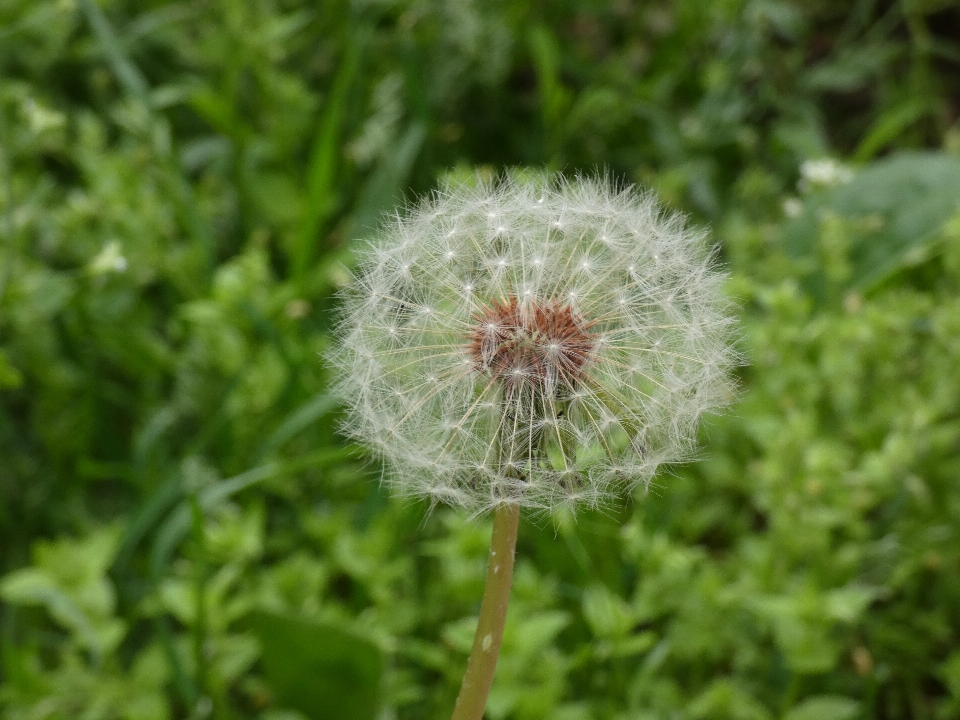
(603, 415)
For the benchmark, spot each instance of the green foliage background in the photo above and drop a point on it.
(182, 533)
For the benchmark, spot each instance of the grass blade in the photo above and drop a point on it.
(319, 199)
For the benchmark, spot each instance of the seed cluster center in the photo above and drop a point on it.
(536, 344)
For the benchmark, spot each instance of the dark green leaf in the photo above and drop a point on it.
(321, 670)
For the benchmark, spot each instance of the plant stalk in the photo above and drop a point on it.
(493, 613)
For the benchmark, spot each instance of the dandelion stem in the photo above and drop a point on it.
(493, 613)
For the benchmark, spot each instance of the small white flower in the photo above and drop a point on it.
(557, 354)
(108, 260)
(823, 173)
(792, 207)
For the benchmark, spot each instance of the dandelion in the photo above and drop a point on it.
(530, 342)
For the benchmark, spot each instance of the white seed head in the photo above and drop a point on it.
(540, 342)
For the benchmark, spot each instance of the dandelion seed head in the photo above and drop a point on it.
(540, 342)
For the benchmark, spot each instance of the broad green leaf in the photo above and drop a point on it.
(318, 669)
(535, 633)
(891, 211)
(847, 604)
(32, 586)
(824, 707)
(950, 672)
(607, 614)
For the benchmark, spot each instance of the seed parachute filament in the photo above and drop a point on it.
(532, 341)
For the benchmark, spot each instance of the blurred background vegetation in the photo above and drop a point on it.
(182, 533)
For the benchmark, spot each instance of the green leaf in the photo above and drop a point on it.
(847, 604)
(727, 700)
(546, 54)
(10, 377)
(321, 670)
(32, 586)
(175, 528)
(607, 614)
(950, 672)
(299, 420)
(321, 181)
(888, 126)
(127, 74)
(177, 523)
(383, 189)
(824, 707)
(536, 632)
(891, 212)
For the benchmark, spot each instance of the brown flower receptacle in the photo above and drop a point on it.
(541, 345)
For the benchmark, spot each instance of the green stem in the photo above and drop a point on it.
(493, 613)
